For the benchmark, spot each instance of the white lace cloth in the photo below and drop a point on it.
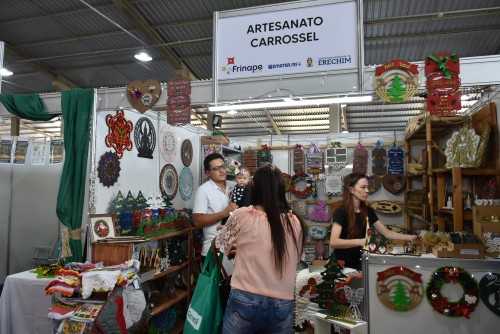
(302, 302)
(104, 280)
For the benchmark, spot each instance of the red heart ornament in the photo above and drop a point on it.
(143, 95)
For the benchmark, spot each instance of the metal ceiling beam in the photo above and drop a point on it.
(437, 33)
(144, 26)
(198, 117)
(58, 81)
(273, 123)
(434, 16)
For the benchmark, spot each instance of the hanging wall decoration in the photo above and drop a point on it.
(264, 155)
(386, 207)
(187, 152)
(379, 159)
(394, 183)
(301, 185)
(374, 183)
(396, 81)
(315, 159)
(298, 158)
(334, 184)
(250, 161)
(400, 289)
(443, 83)
(179, 101)
(465, 148)
(360, 160)
(489, 288)
(186, 184)
(143, 95)
(460, 308)
(169, 181)
(108, 169)
(168, 143)
(395, 160)
(119, 133)
(145, 138)
(319, 214)
(336, 156)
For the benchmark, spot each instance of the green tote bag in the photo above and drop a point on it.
(205, 312)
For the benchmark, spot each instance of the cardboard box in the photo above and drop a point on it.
(461, 251)
(481, 226)
(219, 140)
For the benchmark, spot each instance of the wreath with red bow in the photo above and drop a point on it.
(298, 177)
(466, 304)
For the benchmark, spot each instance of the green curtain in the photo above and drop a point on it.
(77, 105)
(27, 106)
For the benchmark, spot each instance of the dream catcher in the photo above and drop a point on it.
(119, 133)
(145, 138)
(108, 169)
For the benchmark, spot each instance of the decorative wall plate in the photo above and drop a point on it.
(169, 181)
(399, 288)
(108, 169)
(143, 95)
(317, 232)
(145, 138)
(489, 290)
(187, 152)
(119, 133)
(168, 142)
(186, 184)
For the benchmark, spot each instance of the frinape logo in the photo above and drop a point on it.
(335, 60)
(232, 67)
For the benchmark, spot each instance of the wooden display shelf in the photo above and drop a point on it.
(419, 217)
(166, 303)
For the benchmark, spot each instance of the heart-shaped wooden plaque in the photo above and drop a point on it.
(394, 183)
(143, 95)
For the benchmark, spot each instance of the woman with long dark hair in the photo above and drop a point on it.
(350, 219)
(269, 239)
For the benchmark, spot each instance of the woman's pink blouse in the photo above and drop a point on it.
(254, 269)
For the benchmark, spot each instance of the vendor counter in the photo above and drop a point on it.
(384, 277)
(24, 305)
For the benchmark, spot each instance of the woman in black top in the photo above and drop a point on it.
(349, 222)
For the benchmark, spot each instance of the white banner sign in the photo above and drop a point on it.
(310, 39)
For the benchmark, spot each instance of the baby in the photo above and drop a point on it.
(240, 196)
(241, 191)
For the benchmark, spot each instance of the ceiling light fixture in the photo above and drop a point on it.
(143, 56)
(5, 72)
(232, 112)
(292, 103)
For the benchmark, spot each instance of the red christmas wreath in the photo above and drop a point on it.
(301, 176)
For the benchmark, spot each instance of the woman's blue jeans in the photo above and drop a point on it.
(250, 313)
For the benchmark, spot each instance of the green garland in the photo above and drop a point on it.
(466, 304)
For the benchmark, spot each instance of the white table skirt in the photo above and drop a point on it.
(24, 305)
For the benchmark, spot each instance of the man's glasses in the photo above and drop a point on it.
(218, 168)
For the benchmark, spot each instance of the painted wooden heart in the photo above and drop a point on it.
(381, 249)
(394, 183)
(374, 184)
(372, 247)
(143, 95)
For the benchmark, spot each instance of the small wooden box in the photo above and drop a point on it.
(219, 140)
(461, 251)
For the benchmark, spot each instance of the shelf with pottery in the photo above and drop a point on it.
(461, 178)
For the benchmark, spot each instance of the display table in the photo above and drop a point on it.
(24, 305)
(423, 318)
